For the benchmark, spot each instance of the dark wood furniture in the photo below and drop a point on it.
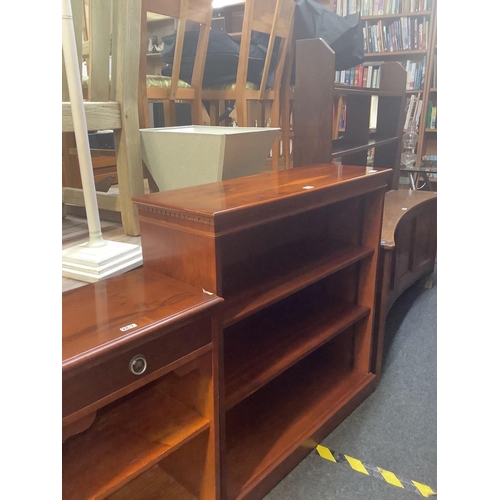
(407, 251)
(314, 98)
(294, 255)
(140, 385)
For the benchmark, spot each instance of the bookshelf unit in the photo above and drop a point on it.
(314, 106)
(402, 31)
(294, 255)
(140, 390)
(427, 146)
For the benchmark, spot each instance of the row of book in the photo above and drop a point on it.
(406, 33)
(341, 118)
(434, 82)
(413, 110)
(380, 7)
(363, 75)
(368, 75)
(415, 74)
(431, 116)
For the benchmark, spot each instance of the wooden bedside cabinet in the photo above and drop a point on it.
(140, 389)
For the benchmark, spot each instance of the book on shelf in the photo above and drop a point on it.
(369, 82)
(410, 109)
(415, 73)
(403, 34)
(433, 117)
(357, 76)
(418, 112)
(434, 73)
(381, 7)
(365, 75)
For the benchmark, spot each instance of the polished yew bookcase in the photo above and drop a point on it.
(140, 390)
(294, 256)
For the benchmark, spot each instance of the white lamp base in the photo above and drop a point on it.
(93, 264)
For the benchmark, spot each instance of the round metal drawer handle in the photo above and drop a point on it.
(138, 364)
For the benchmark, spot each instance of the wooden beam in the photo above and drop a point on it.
(126, 51)
(99, 115)
(105, 201)
(95, 152)
(99, 36)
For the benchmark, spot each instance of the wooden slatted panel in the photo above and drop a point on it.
(99, 116)
(125, 86)
(105, 201)
(198, 11)
(99, 51)
(263, 16)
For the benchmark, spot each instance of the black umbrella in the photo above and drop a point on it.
(343, 34)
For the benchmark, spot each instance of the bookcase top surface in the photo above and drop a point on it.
(219, 199)
(398, 204)
(100, 317)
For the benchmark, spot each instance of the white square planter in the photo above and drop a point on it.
(197, 154)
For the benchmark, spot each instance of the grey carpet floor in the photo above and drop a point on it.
(395, 428)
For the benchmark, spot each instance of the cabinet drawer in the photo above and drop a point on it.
(111, 377)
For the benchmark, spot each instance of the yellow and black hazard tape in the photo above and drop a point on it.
(370, 470)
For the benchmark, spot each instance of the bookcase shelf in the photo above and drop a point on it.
(126, 439)
(291, 410)
(293, 254)
(252, 299)
(254, 358)
(154, 483)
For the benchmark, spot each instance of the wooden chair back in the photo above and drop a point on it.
(274, 18)
(184, 12)
(112, 97)
(101, 81)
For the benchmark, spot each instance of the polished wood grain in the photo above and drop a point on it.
(269, 291)
(253, 200)
(117, 424)
(93, 315)
(280, 419)
(399, 204)
(163, 352)
(154, 484)
(408, 253)
(294, 255)
(126, 440)
(254, 357)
